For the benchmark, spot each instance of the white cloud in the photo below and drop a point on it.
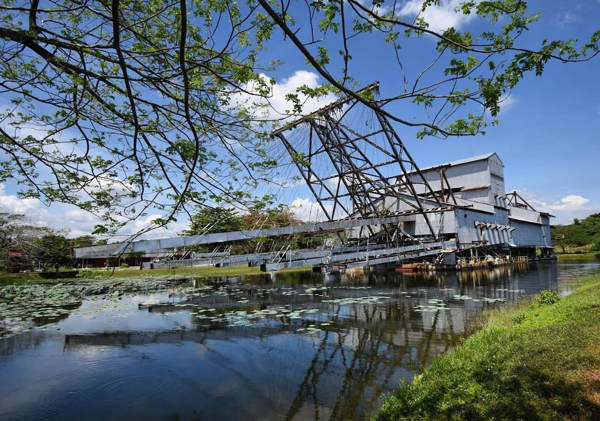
(379, 10)
(571, 202)
(439, 16)
(72, 219)
(508, 103)
(13, 204)
(333, 182)
(567, 208)
(76, 221)
(276, 106)
(141, 224)
(289, 183)
(307, 210)
(569, 16)
(66, 140)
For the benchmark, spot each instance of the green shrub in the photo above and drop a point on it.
(124, 265)
(85, 274)
(519, 318)
(548, 296)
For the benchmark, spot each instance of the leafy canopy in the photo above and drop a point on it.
(580, 233)
(124, 107)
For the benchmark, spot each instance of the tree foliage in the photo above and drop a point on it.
(124, 106)
(24, 246)
(210, 220)
(222, 219)
(17, 242)
(53, 250)
(580, 233)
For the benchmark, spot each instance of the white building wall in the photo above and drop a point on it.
(479, 195)
(482, 179)
(526, 215)
(497, 187)
(467, 175)
(485, 218)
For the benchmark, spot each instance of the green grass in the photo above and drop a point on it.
(17, 278)
(579, 257)
(200, 271)
(531, 361)
(570, 249)
(196, 271)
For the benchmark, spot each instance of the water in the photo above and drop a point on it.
(267, 348)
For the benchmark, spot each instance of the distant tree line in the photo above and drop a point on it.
(582, 232)
(222, 219)
(25, 247)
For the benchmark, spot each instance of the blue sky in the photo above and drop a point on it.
(548, 136)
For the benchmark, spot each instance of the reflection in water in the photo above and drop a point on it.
(261, 347)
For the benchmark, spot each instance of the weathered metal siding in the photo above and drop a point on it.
(441, 222)
(525, 215)
(531, 235)
(487, 219)
(479, 195)
(469, 230)
(466, 175)
(482, 178)
(497, 188)
(546, 231)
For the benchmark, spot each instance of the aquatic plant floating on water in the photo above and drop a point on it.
(430, 308)
(462, 297)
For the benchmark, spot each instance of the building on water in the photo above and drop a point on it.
(442, 215)
(483, 216)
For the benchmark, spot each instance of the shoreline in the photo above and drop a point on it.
(135, 272)
(529, 361)
(201, 271)
(579, 257)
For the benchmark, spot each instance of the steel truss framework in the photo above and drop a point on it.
(515, 200)
(357, 176)
(355, 184)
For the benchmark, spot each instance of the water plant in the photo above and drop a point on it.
(24, 306)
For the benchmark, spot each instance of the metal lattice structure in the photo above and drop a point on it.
(515, 200)
(352, 173)
(375, 198)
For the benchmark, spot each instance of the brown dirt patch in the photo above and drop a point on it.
(594, 386)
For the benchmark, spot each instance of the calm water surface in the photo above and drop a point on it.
(264, 348)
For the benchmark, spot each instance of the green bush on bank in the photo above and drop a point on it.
(548, 297)
(530, 362)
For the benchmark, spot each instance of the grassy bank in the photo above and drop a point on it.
(196, 271)
(532, 361)
(579, 257)
(200, 271)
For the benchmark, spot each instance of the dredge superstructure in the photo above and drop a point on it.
(378, 204)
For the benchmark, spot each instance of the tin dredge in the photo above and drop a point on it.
(380, 207)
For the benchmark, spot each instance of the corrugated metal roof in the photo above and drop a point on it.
(461, 161)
